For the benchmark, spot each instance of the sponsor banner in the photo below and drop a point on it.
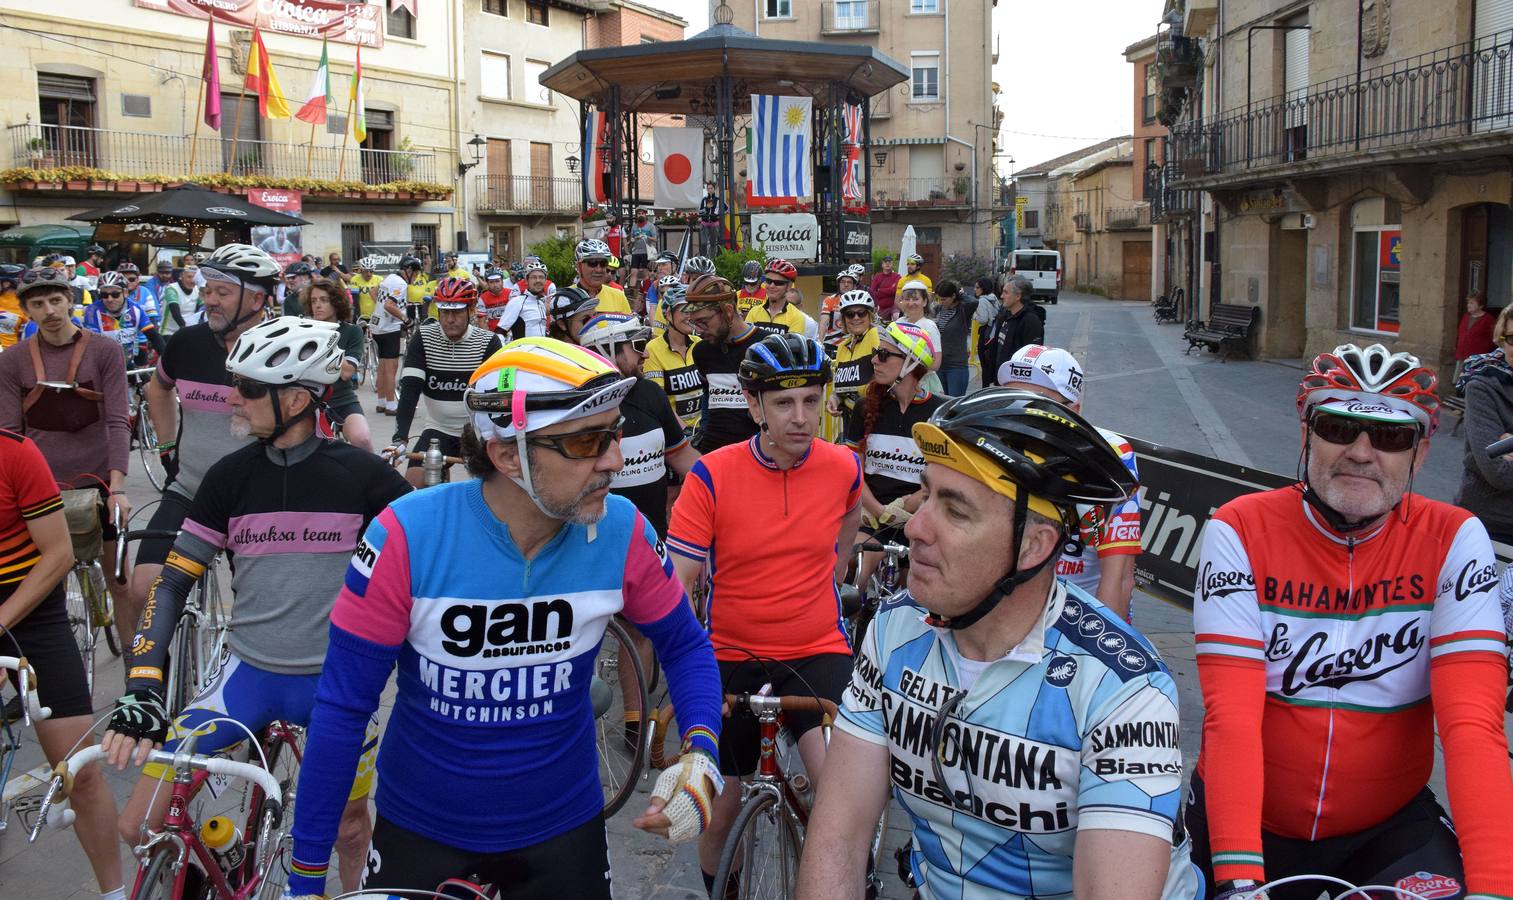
(786, 235)
(1179, 492)
(383, 256)
(284, 243)
(856, 239)
(348, 23)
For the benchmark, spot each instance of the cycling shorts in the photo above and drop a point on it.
(257, 698)
(824, 675)
(1414, 849)
(352, 407)
(172, 510)
(573, 864)
(47, 642)
(451, 445)
(387, 344)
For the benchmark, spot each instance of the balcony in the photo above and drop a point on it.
(527, 195)
(841, 17)
(1457, 101)
(1082, 222)
(132, 157)
(1129, 218)
(1168, 203)
(896, 193)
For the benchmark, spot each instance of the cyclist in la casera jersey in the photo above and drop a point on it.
(492, 596)
(287, 511)
(1102, 560)
(1030, 734)
(1339, 623)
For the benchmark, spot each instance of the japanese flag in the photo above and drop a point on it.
(680, 166)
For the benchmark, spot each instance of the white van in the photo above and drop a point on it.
(1043, 268)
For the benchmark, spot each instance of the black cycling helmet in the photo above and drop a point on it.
(781, 361)
(571, 300)
(298, 267)
(11, 272)
(751, 272)
(1032, 450)
(411, 262)
(94, 248)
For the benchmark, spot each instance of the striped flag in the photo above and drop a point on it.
(210, 73)
(851, 164)
(780, 146)
(260, 80)
(595, 160)
(354, 96)
(314, 110)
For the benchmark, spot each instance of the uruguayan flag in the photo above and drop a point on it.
(780, 146)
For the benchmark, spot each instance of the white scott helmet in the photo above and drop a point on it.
(288, 351)
(667, 281)
(858, 298)
(243, 262)
(699, 265)
(591, 249)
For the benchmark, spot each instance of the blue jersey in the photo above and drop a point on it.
(491, 743)
(126, 327)
(1076, 727)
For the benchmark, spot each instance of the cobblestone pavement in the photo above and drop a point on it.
(1139, 383)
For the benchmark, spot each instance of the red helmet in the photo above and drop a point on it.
(1376, 376)
(782, 268)
(455, 293)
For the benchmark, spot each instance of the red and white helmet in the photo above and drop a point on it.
(782, 268)
(455, 293)
(1373, 383)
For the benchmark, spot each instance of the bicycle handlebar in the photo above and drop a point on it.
(126, 537)
(757, 703)
(26, 680)
(889, 548)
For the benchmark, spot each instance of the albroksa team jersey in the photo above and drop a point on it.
(1075, 728)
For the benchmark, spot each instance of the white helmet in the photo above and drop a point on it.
(244, 262)
(667, 281)
(699, 265)
(604, 331)
(858, 297)
(591, 249)
(855, 271)
(288, 350)
(1048, 367)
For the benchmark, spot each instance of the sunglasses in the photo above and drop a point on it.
(638, 346)
(775, 282)
(249, 389)
(1384, 436)
(855, 314)
(111, 294)
(886, 355)
(590, 444)
(595, 263)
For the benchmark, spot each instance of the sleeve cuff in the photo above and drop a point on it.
(858, 730)
(1124, 819)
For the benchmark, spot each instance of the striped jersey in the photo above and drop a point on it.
(27, 492)
(442, 368)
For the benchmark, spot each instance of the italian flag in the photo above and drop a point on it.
(314, 110)
(354, 97)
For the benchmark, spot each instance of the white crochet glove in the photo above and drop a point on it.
(689, 791)
(896, 513)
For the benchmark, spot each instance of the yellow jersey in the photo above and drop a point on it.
(791, 318)
(853, 364)
(612, 300)
(364, 285)
(12, 319)
(678, 377)
(917, 276)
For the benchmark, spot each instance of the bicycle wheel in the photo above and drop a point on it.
(147, 448)
(103, 608)
(283, 762)
(762, 852)
(210, 637)
(619, 685)
(157, 879)
(79, 593)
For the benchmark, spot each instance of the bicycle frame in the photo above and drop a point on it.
(770, 777)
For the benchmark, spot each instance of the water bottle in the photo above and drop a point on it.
(225, 841)
(433, 463)
(793, 765)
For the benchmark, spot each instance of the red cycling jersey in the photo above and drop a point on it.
(769, 537)
(1338, 656)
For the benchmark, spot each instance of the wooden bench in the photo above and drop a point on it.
(1228, 327)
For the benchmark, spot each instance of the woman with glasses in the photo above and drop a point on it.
(1486, 486)
(325, 301)
(853, 355)
(913, 308)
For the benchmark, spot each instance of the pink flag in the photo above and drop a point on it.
(211, 75)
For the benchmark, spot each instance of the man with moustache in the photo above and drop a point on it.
(724, 340)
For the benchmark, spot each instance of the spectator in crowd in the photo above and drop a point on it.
(326, 300)
(642, 235)
(1474, 335)
(335, 270)
(180, 301)
(12, 318)
(953, 317)
(1018, 323)
(913, 308)
(987, 311)
(884, 290)
(711, 208)
(1486, 486)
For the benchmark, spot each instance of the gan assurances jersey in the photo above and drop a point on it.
(1076, 727)
(1337, 657)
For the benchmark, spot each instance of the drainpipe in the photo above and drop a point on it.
(455, 25)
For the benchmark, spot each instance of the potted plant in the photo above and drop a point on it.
(960, 185)
(35, 148)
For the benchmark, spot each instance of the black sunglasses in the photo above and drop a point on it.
(249, 389)
(109, 294)
(775, 282)
(862, 313)
(596, 263)
(589, 444)
(638, 345)
(886, 355)
(1384, 436)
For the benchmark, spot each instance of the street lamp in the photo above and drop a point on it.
(477, 143)
(880, 157)
(572, 164)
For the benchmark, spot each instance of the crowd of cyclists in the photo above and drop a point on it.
(628, 450)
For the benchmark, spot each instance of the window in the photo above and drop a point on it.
(246, 141)
(1152, 90)
(535, 91)
(1032, 220)
(401, 23)
(1377, 273)
(136, 105)
(926, 76)
(67, 105)
(778, 9)
(1152, 152)
(535, 12)
(496, 7)
(918, 7)
(379, 166)
(424, 238)
(494, 75)
(336, 123)
(850, 15)
(648, 39)
(353, 236)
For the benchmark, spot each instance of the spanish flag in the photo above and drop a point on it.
(260, 80)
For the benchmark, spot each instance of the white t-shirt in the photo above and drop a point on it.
(392, 288)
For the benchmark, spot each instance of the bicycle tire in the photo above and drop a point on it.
(620, 763)
(210, 637)
(284, 764)
(104, 612)
(80, 621)
(759, 812)
(147, 448)
(157, 881)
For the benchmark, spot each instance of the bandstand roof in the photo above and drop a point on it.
(671, 76)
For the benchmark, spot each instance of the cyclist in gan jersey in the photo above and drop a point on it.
(288, 511)
(1338, 622)
(1102, 560)
(492, 596)
(1030, 734)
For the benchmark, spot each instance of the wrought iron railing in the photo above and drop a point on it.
(955, 191)
(1127, 218)
(1082, 222)
(528, 194)
(1168, 202)
(133, 153)
(845, 16)
(1453, 93)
